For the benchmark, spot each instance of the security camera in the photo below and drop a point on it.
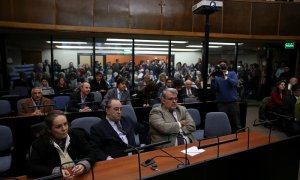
(207, 7)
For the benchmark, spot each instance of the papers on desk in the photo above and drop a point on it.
(193, 151)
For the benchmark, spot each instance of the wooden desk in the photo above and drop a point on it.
(126, 168)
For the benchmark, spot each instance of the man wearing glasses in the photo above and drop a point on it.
(112, 135)
(171, 121)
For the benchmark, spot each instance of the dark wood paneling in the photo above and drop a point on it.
(177, 15)
(290, 19)
(265, 18)
(145, 14)
(74, 12)
(34, 11)
(5, 10)
(112, 13)
(237, 17)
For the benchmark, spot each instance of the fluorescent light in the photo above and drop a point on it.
(129, 44)
(185, 50)
(75, 47)
(200, 46)
(224, 44)
(66, 42)
(145, 40)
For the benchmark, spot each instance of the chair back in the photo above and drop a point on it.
(189, 100)
(216, 124)
(97, 98)
(195, 115)
(61, 102)
(6, 143)
(85, 123)
(19, 104)
(199, 133)
(5, 107)
(128, 113)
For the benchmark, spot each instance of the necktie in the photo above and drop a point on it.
(120, 96)
(118, 124)
(180, 140)
(189, 92)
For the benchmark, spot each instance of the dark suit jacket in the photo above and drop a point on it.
(289, 105)
(27, 106)
(113, 93)
(75, 102)
(44, 156)
(95, 86)
(106, 141)
(193, 90)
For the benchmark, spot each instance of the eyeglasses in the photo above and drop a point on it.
(171, 99)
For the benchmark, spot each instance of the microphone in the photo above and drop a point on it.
(84, 103)
(139, 157)
(50, 177)
(187, 162)
(147, 146)
(39, 106)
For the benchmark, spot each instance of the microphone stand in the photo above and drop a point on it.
(187, 162)
(139, 159)
(268, 122)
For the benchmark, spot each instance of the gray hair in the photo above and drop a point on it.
(171, 90)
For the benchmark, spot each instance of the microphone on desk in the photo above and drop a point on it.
(39, 106)
(50, 177)
(187, 161)
(147, 146)
(132, 148)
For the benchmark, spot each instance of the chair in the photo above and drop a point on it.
(61, 102)
(190, 100)
(97, 98)
(85, 123)
(6, 144)
(19, 104)
(128, 112)
(216, 124)
(199, 133)
(5, 107)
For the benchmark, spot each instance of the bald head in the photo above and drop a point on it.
(188, 84)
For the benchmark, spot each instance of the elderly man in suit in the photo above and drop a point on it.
(171, 121)
(118, 92)
(188, 91)
(111, 136)
(36, 105)
(82, 100)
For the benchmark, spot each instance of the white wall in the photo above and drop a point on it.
(187, 57)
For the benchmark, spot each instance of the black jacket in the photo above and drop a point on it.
(75, 102)
(44, 156)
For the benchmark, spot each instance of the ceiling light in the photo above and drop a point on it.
(225, 44)
(66, 42)
(200, 46)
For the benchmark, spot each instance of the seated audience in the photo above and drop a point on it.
(99, 84)
(171, 121)
(118, 92)
(60, 150)
(36, 105)
(114, 134)
(277, 97)
(188, 91)
(82, 100)
(62, 87)
(46, 89)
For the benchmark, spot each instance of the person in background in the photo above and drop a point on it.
(60, 150)
(171, 121)
(277, 97)
(99, 84)
(46, 89)
(82, 100)
(188, 91)
(36, 105)
(224, 84)
(62, 87)
(120, 92)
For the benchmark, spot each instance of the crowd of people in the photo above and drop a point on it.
(111, 136)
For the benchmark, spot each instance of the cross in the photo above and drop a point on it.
(161, 4)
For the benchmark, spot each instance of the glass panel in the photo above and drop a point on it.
(73, 61)
(27, 60)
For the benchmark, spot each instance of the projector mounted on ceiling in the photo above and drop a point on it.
(207, 7)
